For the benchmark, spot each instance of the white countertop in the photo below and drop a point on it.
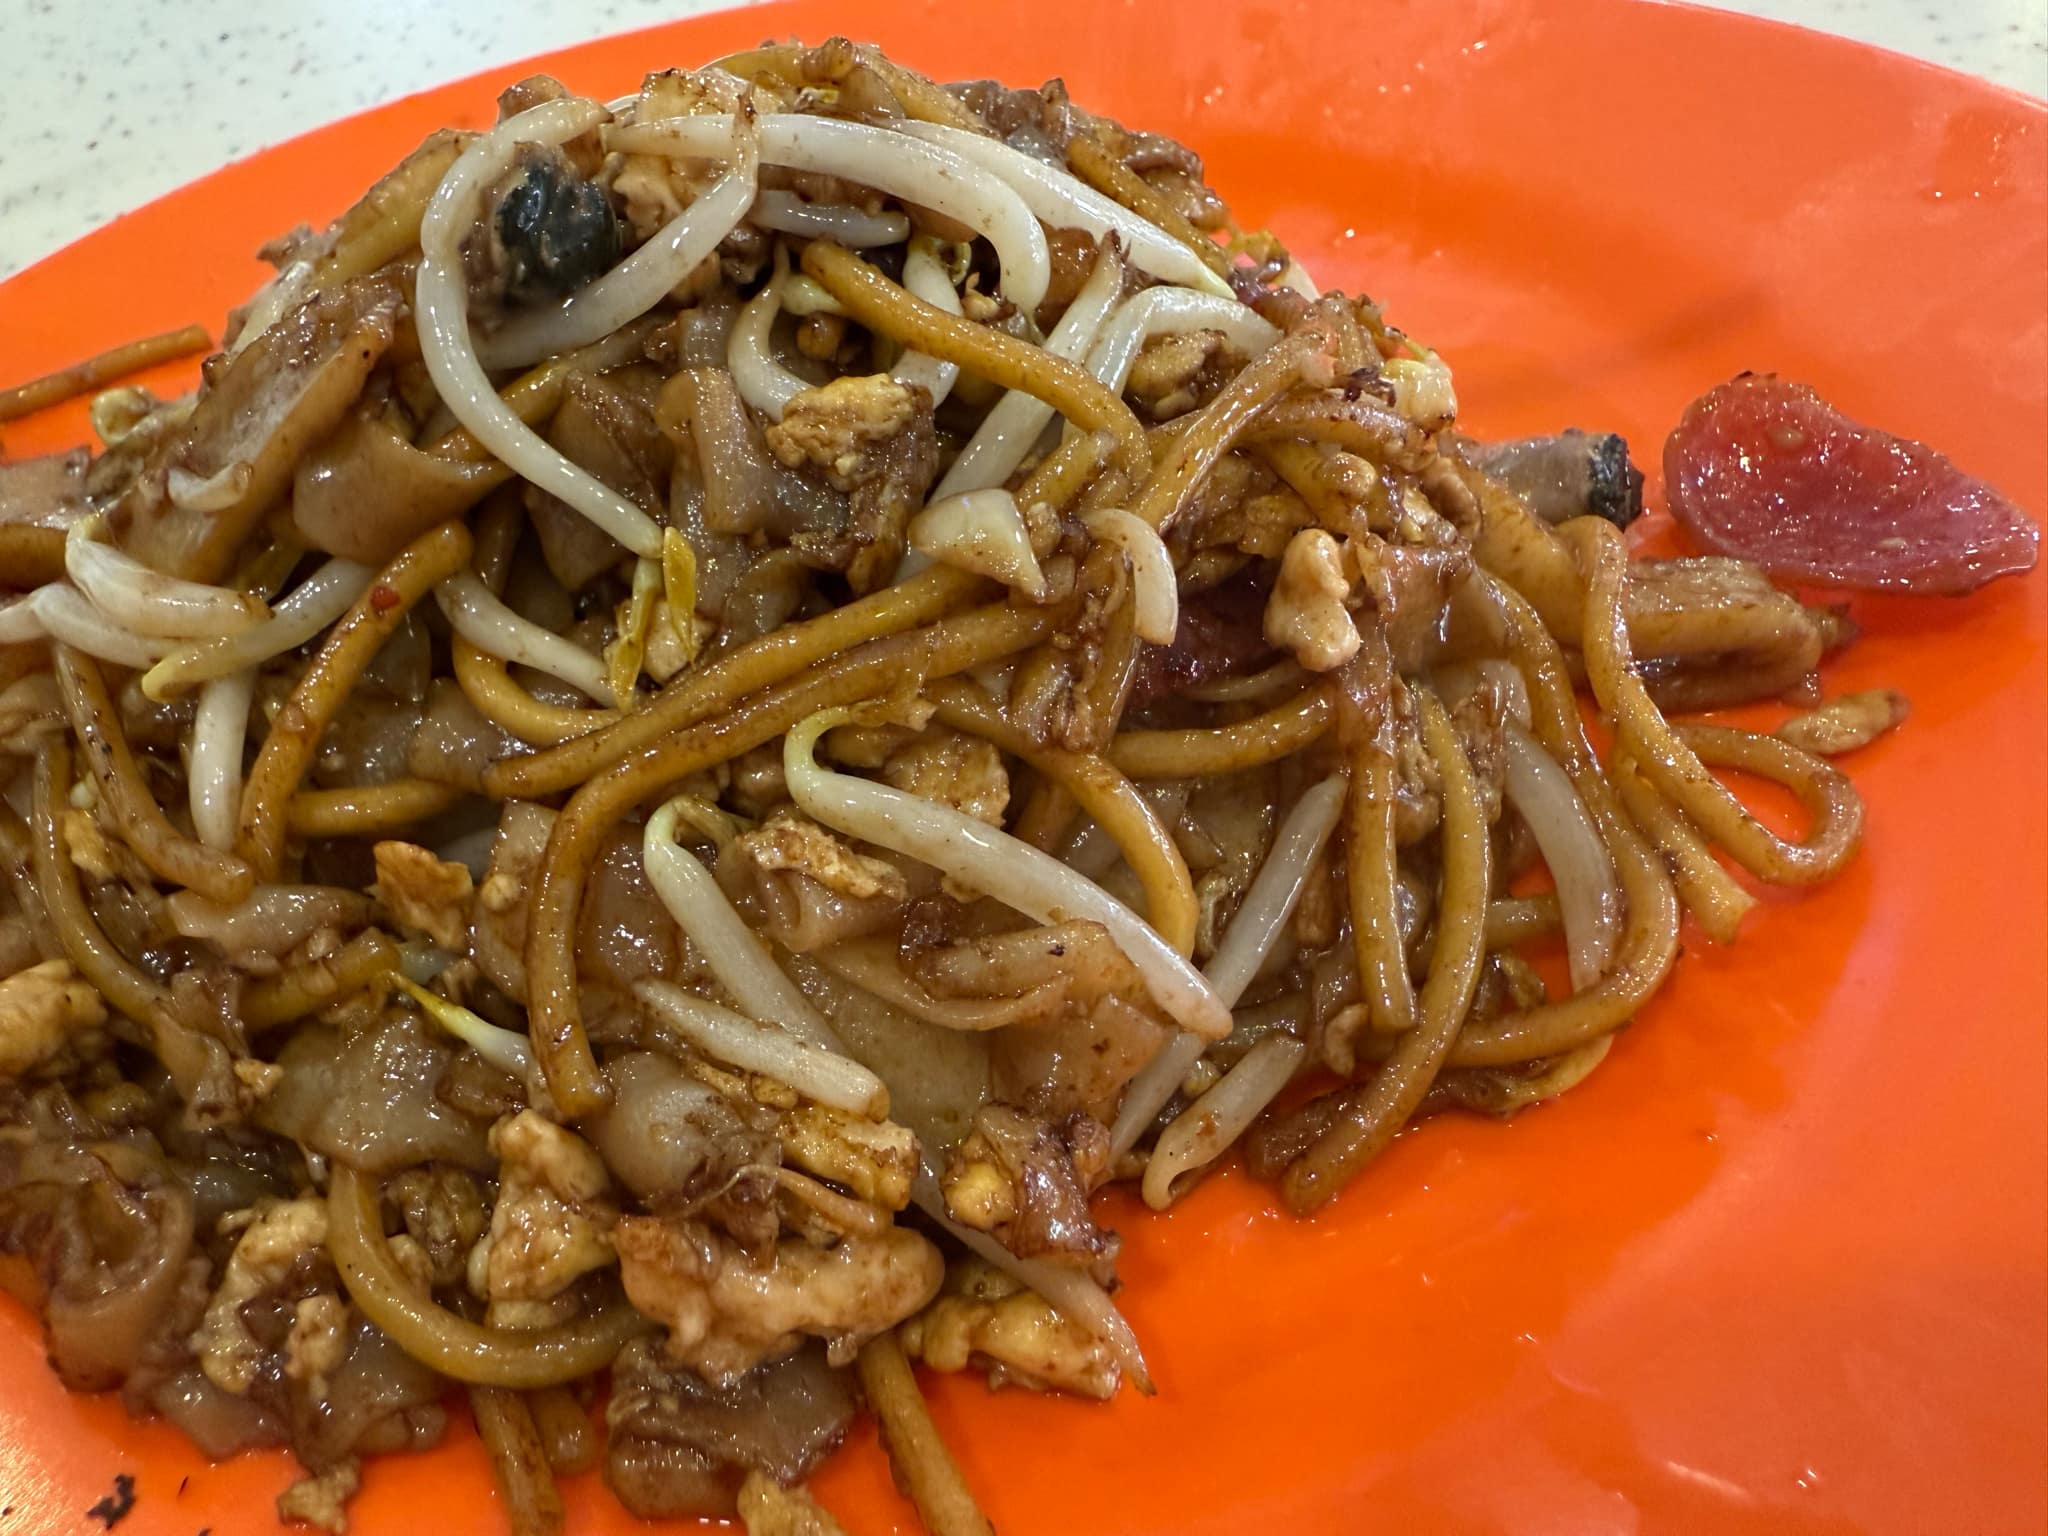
(120, 104)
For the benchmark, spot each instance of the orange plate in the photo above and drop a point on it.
(1779, 1265)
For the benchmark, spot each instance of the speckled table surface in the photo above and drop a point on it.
(185, 85)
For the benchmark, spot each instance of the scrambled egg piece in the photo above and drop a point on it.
(787, 841)
(727, 1311)
(318, 1341)
(549, 1225)
(424, 894)
(769, 1509)
(987, 1317)
(835, 425)
(41, 1010)
(1306, 615)
(280, 1233)
(322, 1501)
(876, 1160)
(1167, 375)
(954, 769)
(444, 1215)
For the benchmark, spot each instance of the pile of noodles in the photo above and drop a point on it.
(1162, 737)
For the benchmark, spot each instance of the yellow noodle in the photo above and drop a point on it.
(519, 1461)
(1713, 896)
(1113, 179)
(888, 309)
(366, 810)
(1279, 732)
(1671, 763)
(1372, 1113)
(196, 1063)
(30, 556)
(1105, 794)
(1649, 939)
(1211, 432)
(1373, 881)
(82, 378)
(300, 989)
(451, 1344)
(170, 855)
(900, 662)
(702, 693)
(486, 680)
(1514, 920)
(324, 686)
(924, 1468)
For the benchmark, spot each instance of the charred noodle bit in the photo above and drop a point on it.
(304, 717)
(1374, 1113)
(554, 1015)
(519, 1461)
(1670, 761)
(923, 1466)
(82, 378)
(457, 1348)
(171, 856)
(890, 310)
(367, 809)
(1106, 795)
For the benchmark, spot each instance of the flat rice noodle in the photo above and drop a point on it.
(370, 1100)
(260, 413)
(370, 741)
(221, 1423)
(1078, 1063)
(273, 920)
(937, 1077)
(379, 1400)
(46, 492)
(366, 492)
(666, 1135)
(680, 1447)
(101, 1315)
(606, 425)
(454, 743)
(497, 933)
(624, 934)
(732, 461)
